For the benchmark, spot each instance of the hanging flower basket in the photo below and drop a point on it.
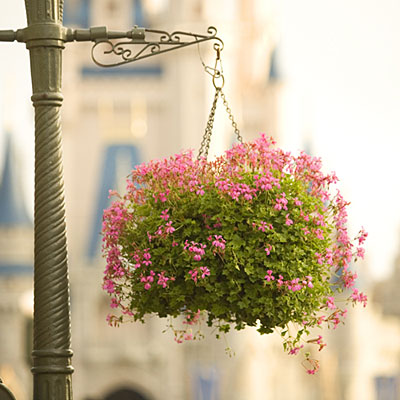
(254, 238)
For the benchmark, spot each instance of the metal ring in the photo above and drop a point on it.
(218, 76)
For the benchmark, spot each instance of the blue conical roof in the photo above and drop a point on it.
(12, 206)
(274, 73)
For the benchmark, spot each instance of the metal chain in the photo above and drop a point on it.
(218, 82)
(205, 144)
(234, 124)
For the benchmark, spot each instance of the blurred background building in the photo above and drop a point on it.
(118, 117)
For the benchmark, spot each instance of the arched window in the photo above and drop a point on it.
(125, 394)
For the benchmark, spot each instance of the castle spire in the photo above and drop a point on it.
(12, 206)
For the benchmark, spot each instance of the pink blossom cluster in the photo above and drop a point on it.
(218, 242)
(262, 226)
(281, 202)
(197, 248)
(199, 272)
(235, 190)
(295, 350)
(293, 285)
(191, 319)
(149, 279)
(356, 296)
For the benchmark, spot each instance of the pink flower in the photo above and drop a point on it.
(297, 202)
(269, 277)
(114, 302)
(192, 318)
(169, 228)
(320, 259)
(178, 339)
(305, 217)
(311, 371)
(307, 282)
(150, 278)
(268, 249)
(360, 252)
(349, 279)
(219, 242)
(200, 192)
(204, 272)
(281, 202)
(109, 286)
(359, 297)
(362, 237)
(112, 193)
(162, 280)
(329, 256)
(263, 226)
(296, 350)
(193, 274)
(330, 302)
(164, 214)
(288, 220)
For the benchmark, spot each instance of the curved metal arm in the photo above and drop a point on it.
(5, 393)
(139, 47)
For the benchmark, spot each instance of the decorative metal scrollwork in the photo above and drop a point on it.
(5, 393)
(140, 47)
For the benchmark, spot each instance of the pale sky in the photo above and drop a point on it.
(341, 70)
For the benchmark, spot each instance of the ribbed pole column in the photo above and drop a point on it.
(51, 343)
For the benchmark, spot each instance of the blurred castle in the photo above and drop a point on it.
(115, 118)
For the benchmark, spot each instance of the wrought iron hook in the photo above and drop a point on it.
(138, 47)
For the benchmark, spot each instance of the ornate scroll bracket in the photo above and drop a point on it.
(145, 43)
(5, 393)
